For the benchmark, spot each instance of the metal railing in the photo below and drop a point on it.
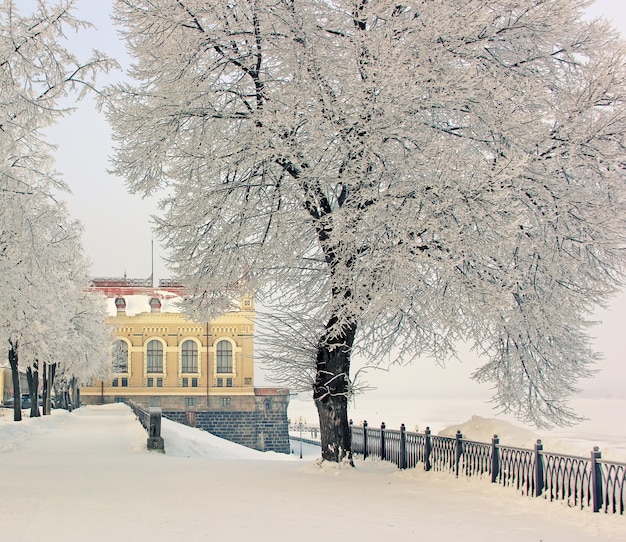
(583, 482)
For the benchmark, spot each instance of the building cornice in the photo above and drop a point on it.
(176, 317)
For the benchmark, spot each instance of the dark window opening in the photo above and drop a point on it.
(155, 357)
(190, 357)
(224, 357)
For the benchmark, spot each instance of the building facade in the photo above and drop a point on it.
(6, 388)
(201, 374)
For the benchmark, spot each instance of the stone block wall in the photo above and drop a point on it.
(239, 427)
(266, 428)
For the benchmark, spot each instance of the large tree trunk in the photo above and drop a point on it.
(46, 390)
(48, 384)
(330, 393)
(74, 394)
(52, 368)
(66, 396)
(32, 376)
(17, 393)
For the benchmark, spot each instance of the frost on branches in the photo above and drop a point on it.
(387, 177)
(46, 318)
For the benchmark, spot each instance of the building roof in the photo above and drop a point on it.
(137, 294)
(120, 286)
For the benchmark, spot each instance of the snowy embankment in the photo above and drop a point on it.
(87, 475)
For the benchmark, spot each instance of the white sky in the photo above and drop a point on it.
(117, 232)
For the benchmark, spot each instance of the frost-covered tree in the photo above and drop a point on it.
(29, 300)
(37, 75)
(85, 352)
(46, 314)
(388, 176)
(39, 246)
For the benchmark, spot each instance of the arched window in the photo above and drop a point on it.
(120, 357)
(155, 357)
(224, 357)
(190, 357)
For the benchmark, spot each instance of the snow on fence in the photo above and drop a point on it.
(583, 482)
(151, 421)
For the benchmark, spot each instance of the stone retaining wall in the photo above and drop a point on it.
(257, 420)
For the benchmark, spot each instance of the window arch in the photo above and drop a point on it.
(119, 355)
(154, 357)
(224, 355)
(189, 351)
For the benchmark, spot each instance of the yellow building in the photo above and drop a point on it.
(5, 378)
(201, 374)
(6, 383)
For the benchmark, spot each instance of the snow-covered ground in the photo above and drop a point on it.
(87, 475)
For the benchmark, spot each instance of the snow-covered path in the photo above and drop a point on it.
(87, 476)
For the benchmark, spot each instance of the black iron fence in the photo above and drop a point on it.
(583, 482)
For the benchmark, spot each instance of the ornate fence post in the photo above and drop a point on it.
(364, 439)
(428, 448)
(402, 458)
(383, 452)
(155, 440)
(495, 458)
(539, 481)
(458, 451)
(596, 479)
